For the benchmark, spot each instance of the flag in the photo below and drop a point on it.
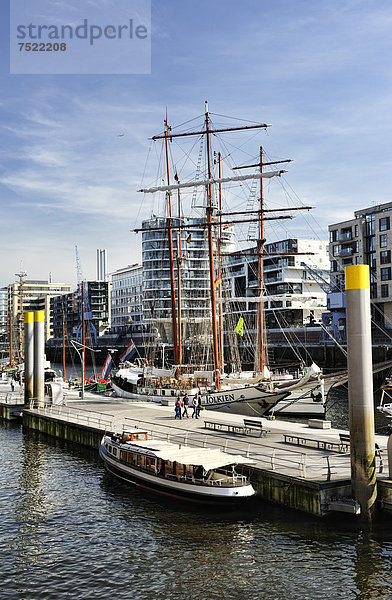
(188, 239)
(218, 281)
(239, 328)
(107, 367)
(128, 352)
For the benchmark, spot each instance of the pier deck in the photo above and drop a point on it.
(270, 451)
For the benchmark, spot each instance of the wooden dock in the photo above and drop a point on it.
(312, 475)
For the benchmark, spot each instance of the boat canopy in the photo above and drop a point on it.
(205, 457)
(130, 376)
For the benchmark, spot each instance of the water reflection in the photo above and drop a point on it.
(372, 575)
(81, 533)
(30, 544)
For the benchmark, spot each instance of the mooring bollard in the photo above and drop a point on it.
(28, 357)
(39, 354)
(360, 388)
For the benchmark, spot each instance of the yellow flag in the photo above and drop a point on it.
(239, 328)
(218, 281)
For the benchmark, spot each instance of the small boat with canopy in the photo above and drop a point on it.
(199, 474)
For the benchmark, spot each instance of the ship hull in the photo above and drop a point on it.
(250, 401)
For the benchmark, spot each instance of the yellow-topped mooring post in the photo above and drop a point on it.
(39, 357)
(28, 357)
(360, 388)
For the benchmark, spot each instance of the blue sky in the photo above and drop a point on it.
(318, 72)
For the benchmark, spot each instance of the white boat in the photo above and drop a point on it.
(198, 474)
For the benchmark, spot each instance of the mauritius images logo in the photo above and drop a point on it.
(114, 39)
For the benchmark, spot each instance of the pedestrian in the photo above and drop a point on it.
(178, 408)
(194, 406)
(185, 403)
(12, 385)
(198, 406)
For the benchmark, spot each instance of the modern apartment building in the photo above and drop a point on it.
(126, 300)
(97, 313)
(4, 322)
(292, 296)
(192, 259)
(30, 295)
(367, 239)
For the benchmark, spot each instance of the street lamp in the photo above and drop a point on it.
(81, 350)
(163, 345)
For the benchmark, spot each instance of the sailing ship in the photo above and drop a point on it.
(201, 475)
(254, 393)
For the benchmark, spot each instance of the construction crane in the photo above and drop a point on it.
(88, 317)
(20, 319)
(329, 286)
(336, 304)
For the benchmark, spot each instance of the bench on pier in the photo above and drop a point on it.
(345, 446)
(344, 442)
(300, 440)
(253, 428)
(256, 426)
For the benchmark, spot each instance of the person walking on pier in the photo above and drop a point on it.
(185, 403)
(198, 407)
(194, 406)
(178, 408)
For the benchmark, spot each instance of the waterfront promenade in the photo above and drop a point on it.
(269, 451)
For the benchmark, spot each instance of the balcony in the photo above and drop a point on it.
(345, 236)
(277, 277)
(349, 251)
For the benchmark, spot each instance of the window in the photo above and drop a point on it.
(336, 249)
(385, 273)
(383, 240)
(370, 225)
(384, 290)
(370, 244)
(356, 230)
(277, 304)
(385, 257)
(333, 235)
(383, 224)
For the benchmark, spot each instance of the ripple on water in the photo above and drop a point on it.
(71, 531)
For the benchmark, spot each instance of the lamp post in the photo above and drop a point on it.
(163, 354)
(81, 350)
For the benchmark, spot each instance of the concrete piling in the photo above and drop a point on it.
(360, 388)
(39, 357)
(28, 357)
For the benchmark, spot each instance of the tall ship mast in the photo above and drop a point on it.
(203, 371)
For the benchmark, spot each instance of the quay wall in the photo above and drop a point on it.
(384, 494)
(311, 497)
(72, 432)
(326, 355)
(11, 411)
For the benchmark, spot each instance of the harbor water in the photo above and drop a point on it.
(68, 530)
